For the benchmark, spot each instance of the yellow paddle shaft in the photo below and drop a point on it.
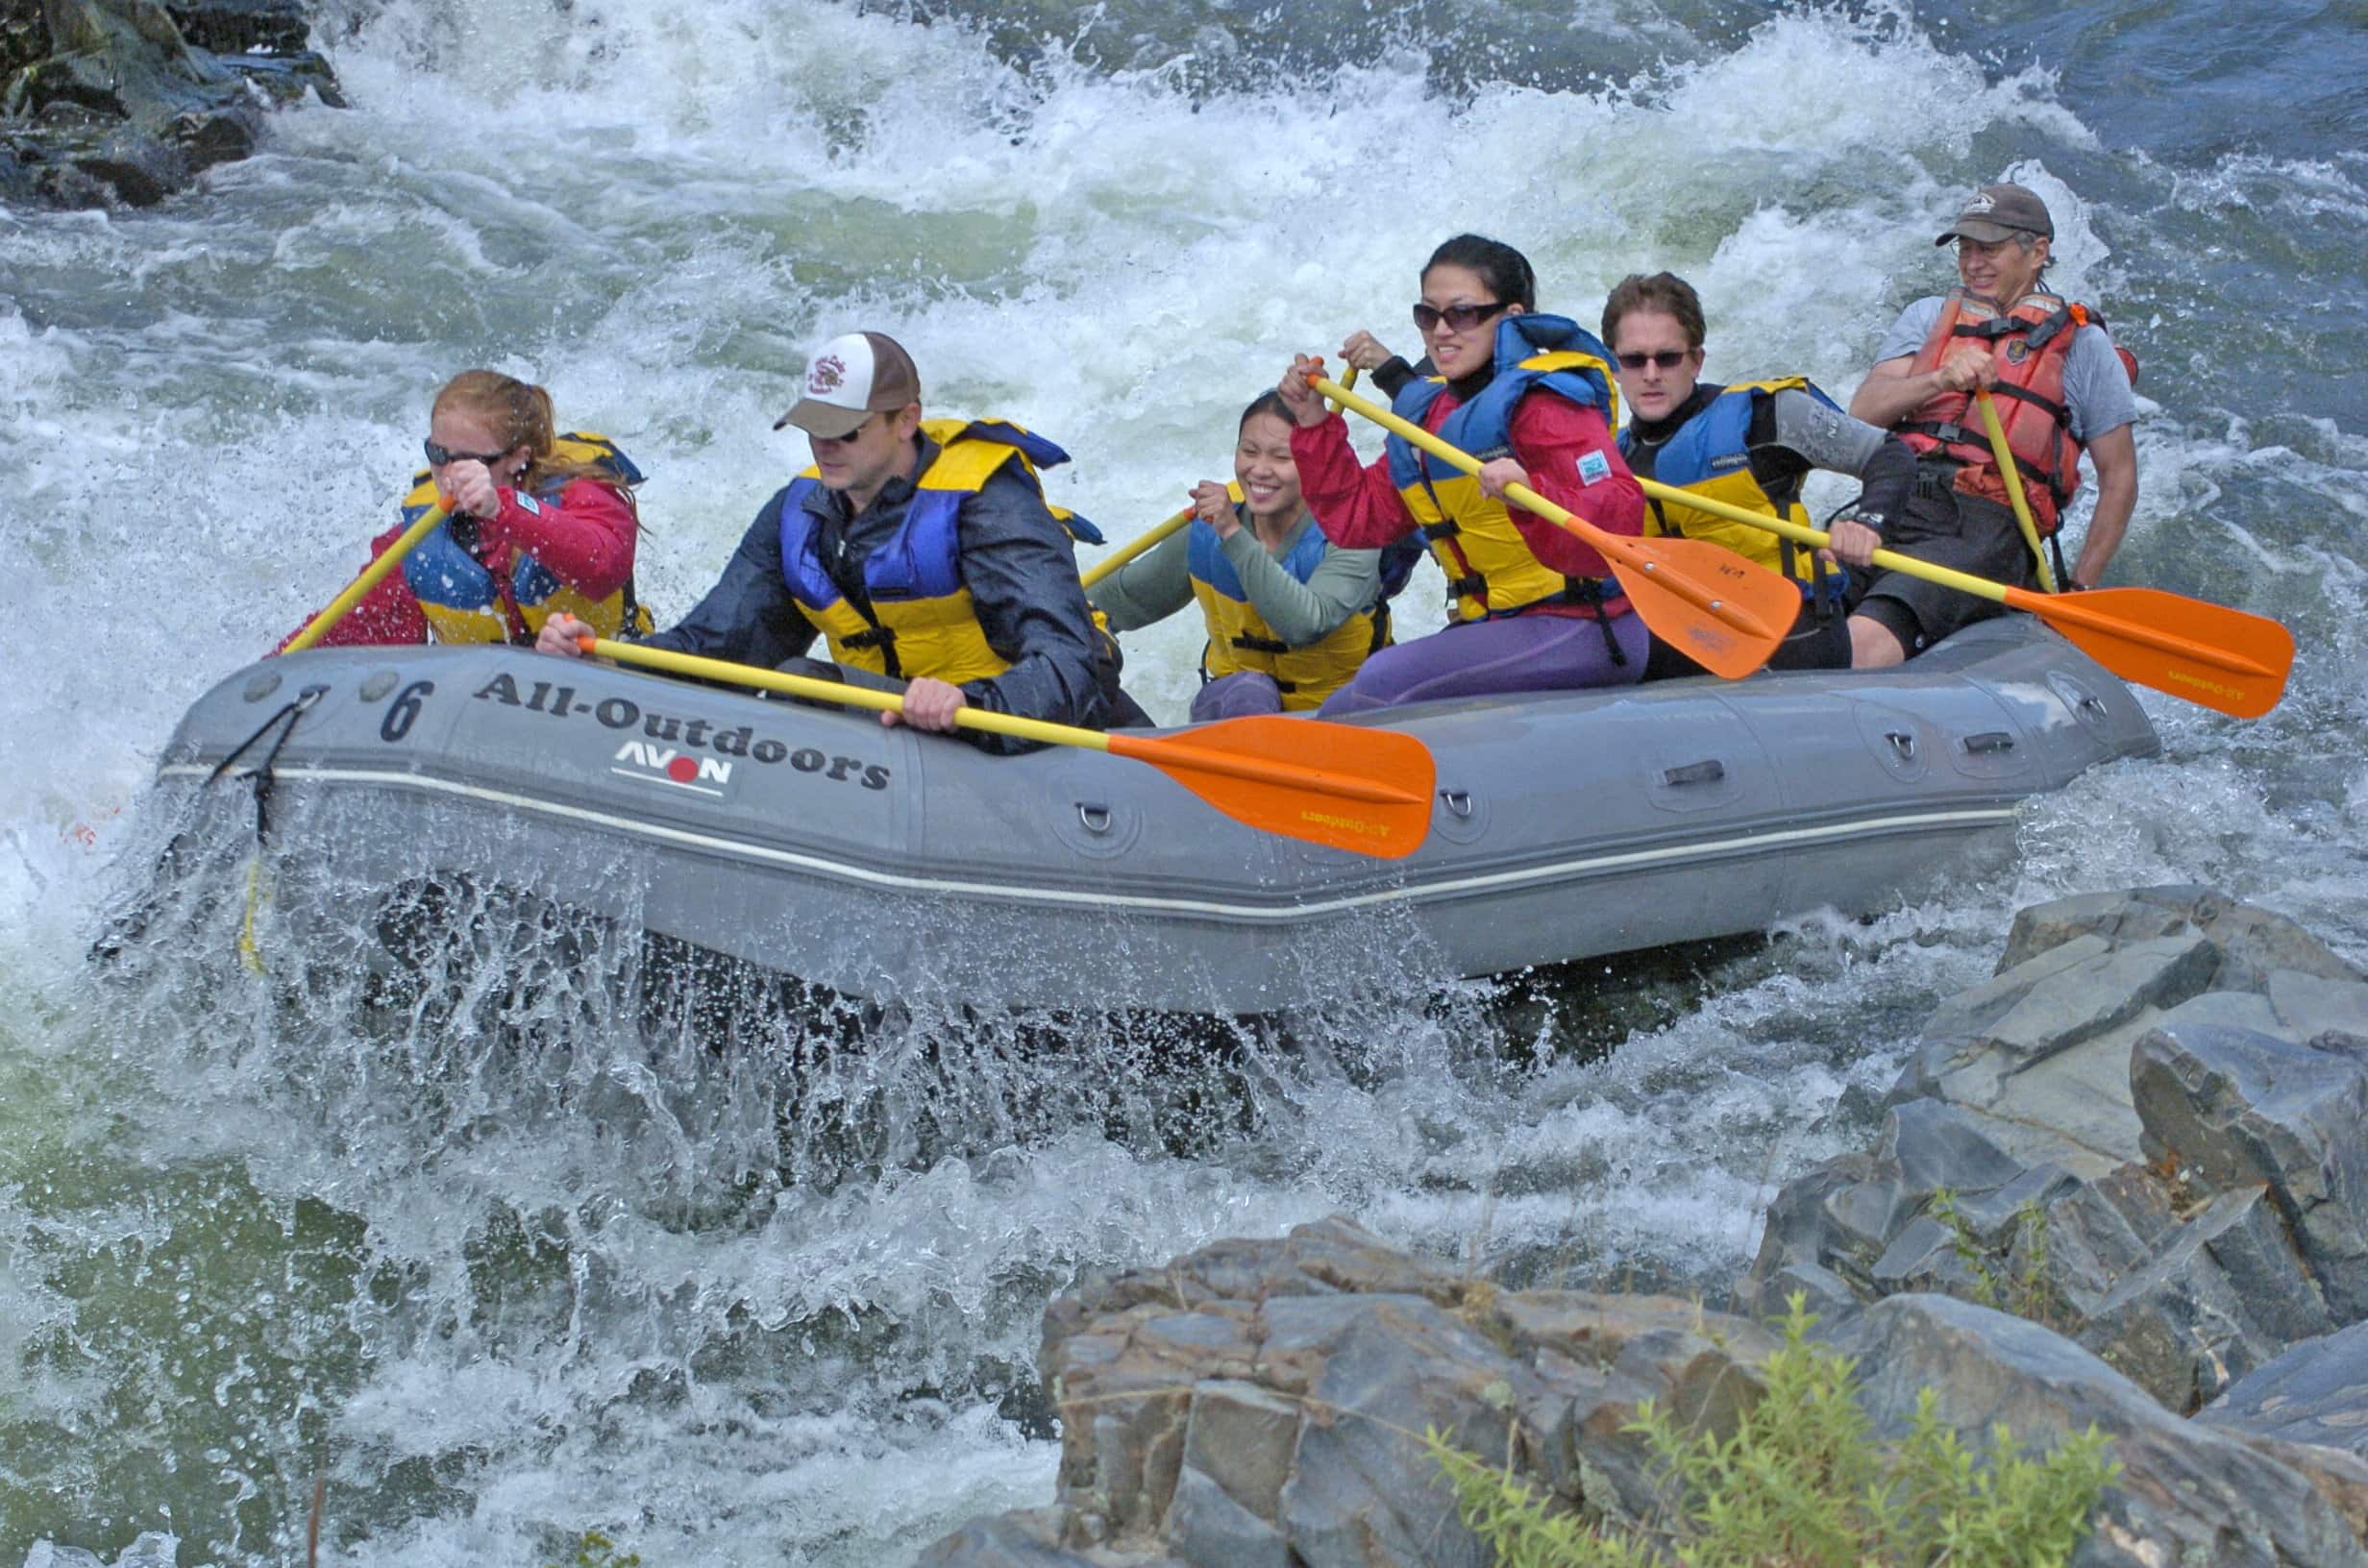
(1119, 557)
(319, 625)
(831, 690)
(1817, 538)
(1981, 587)
(1166, 753)
(2011, 477)
(1446, 452)
(1348, 379)
(1128, 551)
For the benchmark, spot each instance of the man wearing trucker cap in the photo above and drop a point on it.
(921, 552)
(2060, 387)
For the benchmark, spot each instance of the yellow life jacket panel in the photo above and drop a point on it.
(921, 620)
(1491, 570)
(1710, 455)
(1239, 638)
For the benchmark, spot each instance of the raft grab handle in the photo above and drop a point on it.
(1709, 772)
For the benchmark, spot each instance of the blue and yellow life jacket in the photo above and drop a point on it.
(1710, 455)
(1491, 570)
(1239, 638)
(465, 601)
(921, 621)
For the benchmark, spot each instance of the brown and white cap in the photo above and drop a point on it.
(849, 380)
(1999, 212)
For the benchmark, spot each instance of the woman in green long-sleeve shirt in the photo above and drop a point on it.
(1290, 615)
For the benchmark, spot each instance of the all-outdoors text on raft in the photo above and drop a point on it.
(619, 713)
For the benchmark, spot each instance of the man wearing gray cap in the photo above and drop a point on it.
(2060, 388)
(923, 551)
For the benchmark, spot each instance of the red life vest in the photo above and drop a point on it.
(2031, 343)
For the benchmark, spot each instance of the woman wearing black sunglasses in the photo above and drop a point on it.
(540, 523)
(1536, 609)
(1749, 444)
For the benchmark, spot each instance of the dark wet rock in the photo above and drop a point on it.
(1256, 1403)
(2187, 1493)
(2339, 1476)
(2146, 1138)
(2042, 1051)
(2252, 942)
(24, 34)
(107, 103)
(1262, 1402)
(2151, 1135)
(1024, 1538)
(2228, 1109)
(2315, 1392)
(240, 27)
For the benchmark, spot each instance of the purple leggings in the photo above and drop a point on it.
(1237, 696)
(1476, 658)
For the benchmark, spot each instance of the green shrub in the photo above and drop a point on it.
(1802, 1483)
(2021, 1288)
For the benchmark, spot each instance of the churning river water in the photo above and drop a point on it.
(778, 1304)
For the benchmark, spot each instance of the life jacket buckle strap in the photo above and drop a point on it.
(2039, 401)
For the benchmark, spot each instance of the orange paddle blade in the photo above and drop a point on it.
(1723, 612)
(2224, 659)
(1341, 785)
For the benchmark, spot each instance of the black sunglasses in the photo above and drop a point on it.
(1664, 359)
(438, 456)
(841, 440)
(1462, 318)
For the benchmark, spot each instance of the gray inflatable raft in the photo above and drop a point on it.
(887, 865)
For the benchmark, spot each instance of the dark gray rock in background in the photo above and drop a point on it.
(2155, 1134)
(2314, 1392)
(2152, 1132)
(2185, 1494)
(240, 27)
(108, 103)
(1261, 1404)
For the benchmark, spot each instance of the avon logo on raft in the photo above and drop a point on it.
(664, 764)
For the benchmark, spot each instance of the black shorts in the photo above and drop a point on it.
(1815, 643)
(1949, 529)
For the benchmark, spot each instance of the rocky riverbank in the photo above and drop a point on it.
(2124, 1182)
(2123, 1185)
(120, 103)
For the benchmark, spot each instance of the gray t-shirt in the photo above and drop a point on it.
(2096, 387)
(1157, 584)
(1824, 435)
